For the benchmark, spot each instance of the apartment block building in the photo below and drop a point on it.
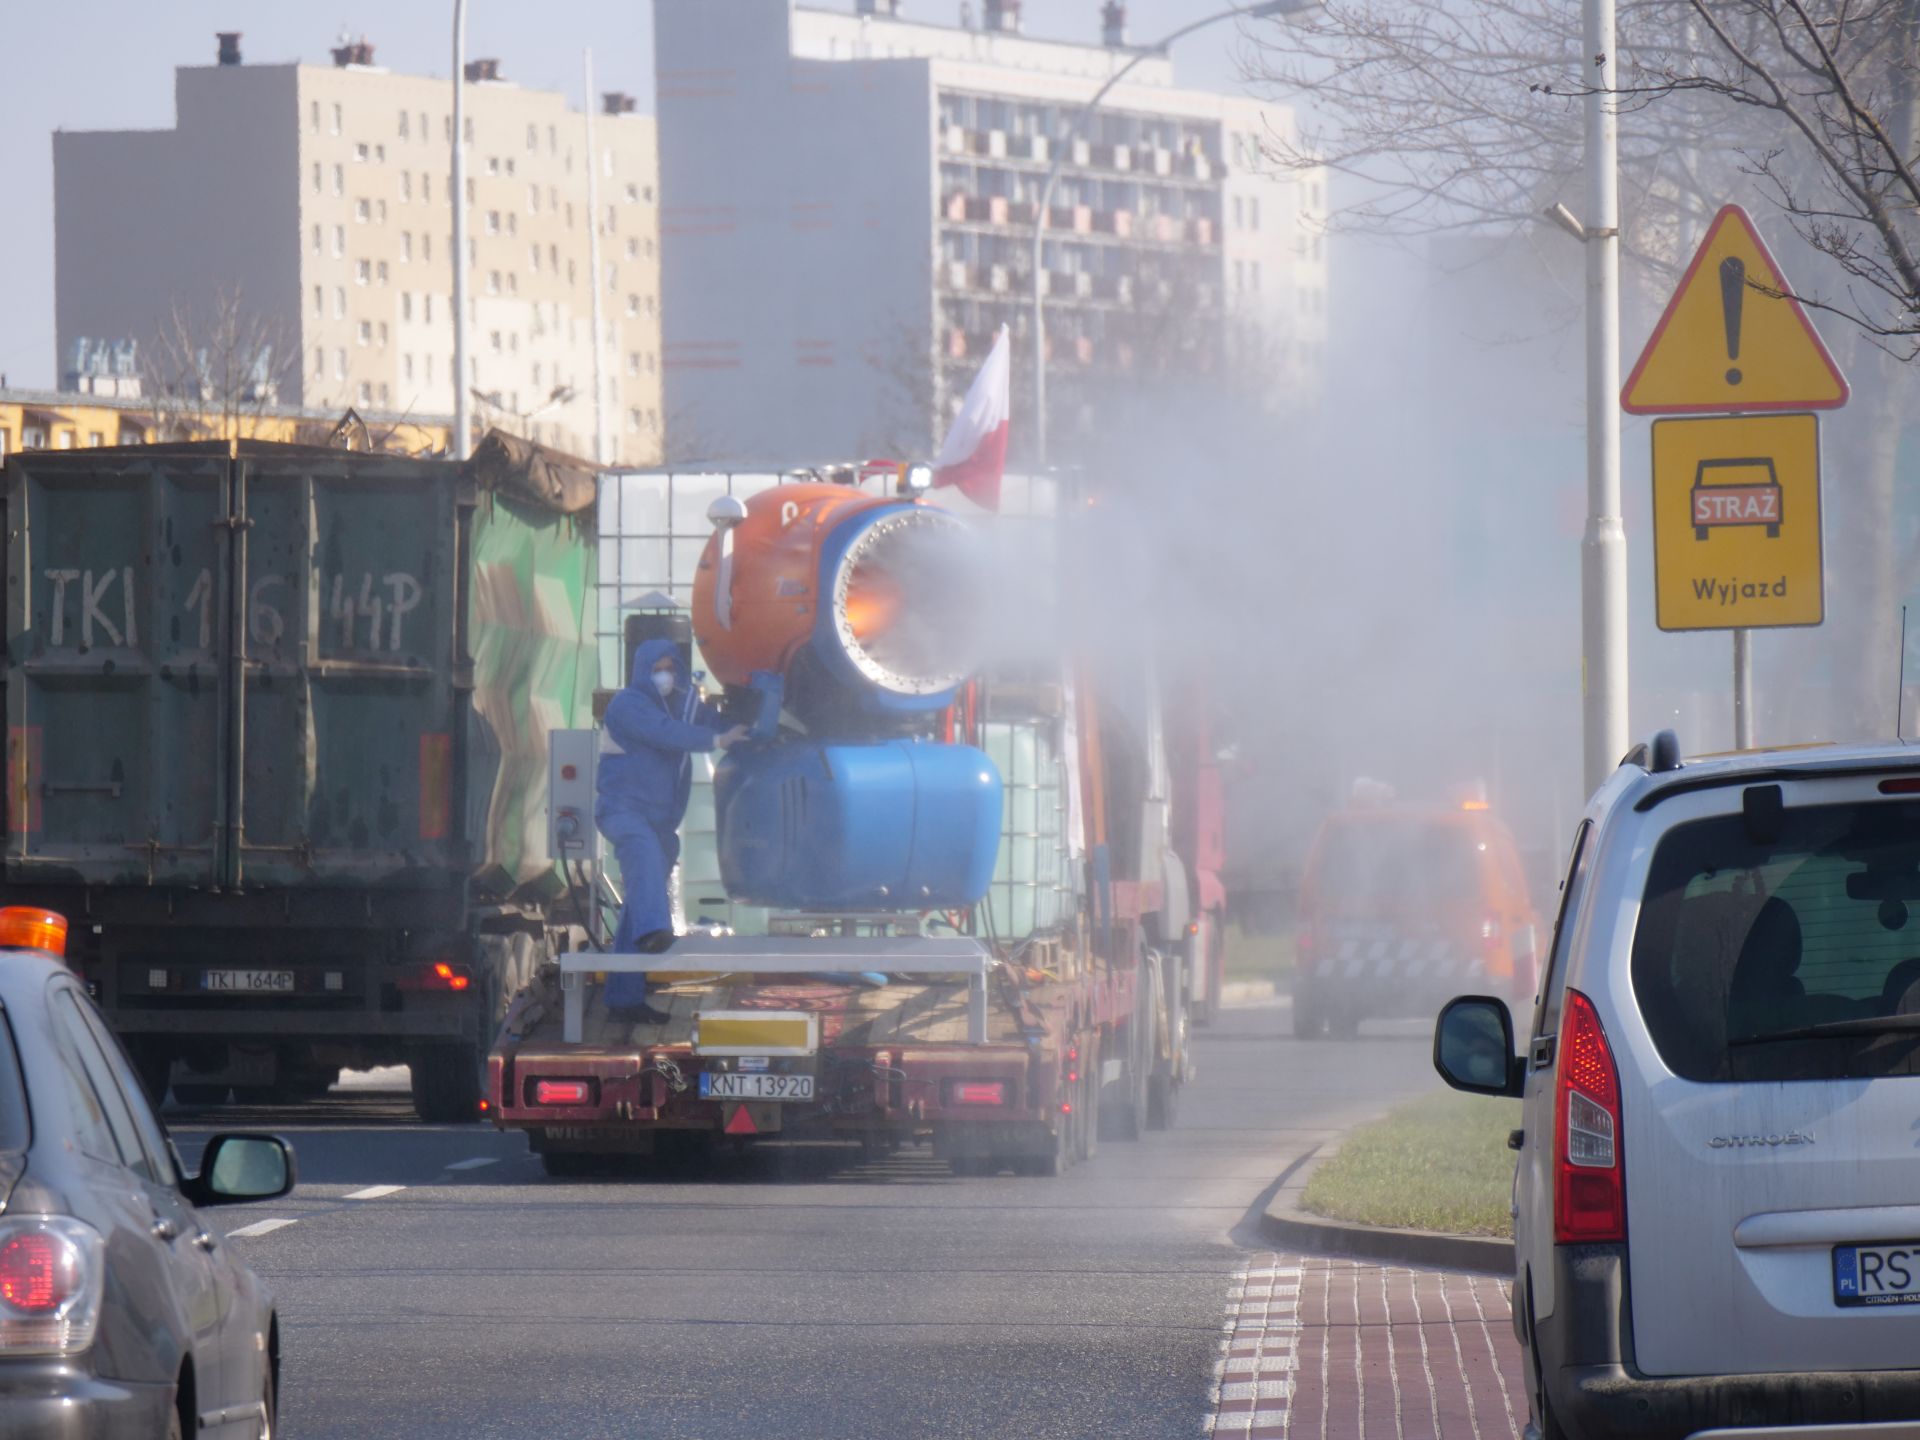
(851, 202)
(320, 195)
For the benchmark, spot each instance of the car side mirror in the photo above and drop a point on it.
(1473, 1047)
(235, 1168)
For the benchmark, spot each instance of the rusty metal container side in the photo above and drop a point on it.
(273, 667)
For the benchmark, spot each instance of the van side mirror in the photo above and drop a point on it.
(1473, 1047)
(234, 1168)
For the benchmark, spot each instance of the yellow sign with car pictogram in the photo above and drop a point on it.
(1736, 522)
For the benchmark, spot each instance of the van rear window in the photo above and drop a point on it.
(1797, 959)
(1398, 862)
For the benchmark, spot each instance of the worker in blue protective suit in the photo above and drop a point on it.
(647, 744)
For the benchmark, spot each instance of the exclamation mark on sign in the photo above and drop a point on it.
(1733, 289)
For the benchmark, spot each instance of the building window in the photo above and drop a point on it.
(426, 186)
(633, 194)
(339, 241)
(1253, 212)
(493, 222)
(513, 223)
(493, 165)
(494, 340)
(553, 141)
(362, 154)
(513, 283)
(426, 313)
(383, 272)
(424, 132)
(316, 241)
(313, 123)
(553, 258)
(337, 119)
(319, 362)
(406, 305)
(613, 219)
(339, 302)
(1253, 277)
(383, 334)
(1239, 212)
(649, 248)
(571, 272)
(319, 302)
(380, 210)
(649, 362)
(406, 246)
(533, 258)
(32, 437)
(363, 272)
(63, 440)
(366, 392)
(533, 199)
(96, 439)
(339, 179)
(429, 368)
(364, 334)
(362, 211)
(633, 248)
(633, 362)
(536, 372)
(406, 186)
(633, 419)
(426, 247)
(469, 129)
(380, 154)
(340, 364)
(406, 366)
(633, 305)
(653, 419)
(569, 214)
(318, 179)
(652, 305)
(404, 119)
(493, 282)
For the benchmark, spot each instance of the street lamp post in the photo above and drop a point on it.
(462, 410)
(1603, 544)
(1073, 129)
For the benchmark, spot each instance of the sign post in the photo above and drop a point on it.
(1736, 497)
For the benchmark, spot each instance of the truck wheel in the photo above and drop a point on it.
(570, 1164)
(446, 1083)
(1163, 1102)
(1089, 1098)
(1123, 1108)
(1308, 1023)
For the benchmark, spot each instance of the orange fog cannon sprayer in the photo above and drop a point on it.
(855, 613)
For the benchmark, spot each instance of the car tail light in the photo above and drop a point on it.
(976, 1092)
(1589, 1192)
(562, 1092)
(52, 1272)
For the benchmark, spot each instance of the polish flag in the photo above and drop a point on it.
(975, 456)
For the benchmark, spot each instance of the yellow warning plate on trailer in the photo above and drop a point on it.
(756, 1032)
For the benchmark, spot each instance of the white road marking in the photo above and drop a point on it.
(475, 1163)
(260, 1227)
(375, 1192)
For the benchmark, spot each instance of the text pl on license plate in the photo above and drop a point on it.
(1886, 1274)
(247, 980)
(755, 1087)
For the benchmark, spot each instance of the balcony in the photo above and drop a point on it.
(997, 144)
(956, 344)
(1200, 230)
(954, 207)
(998, 279)
(953, 140)
(958, 274)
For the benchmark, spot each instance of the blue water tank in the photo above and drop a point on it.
(891, 825)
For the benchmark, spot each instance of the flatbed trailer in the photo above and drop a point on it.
(996, 1063)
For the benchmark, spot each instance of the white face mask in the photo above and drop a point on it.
(663, 681)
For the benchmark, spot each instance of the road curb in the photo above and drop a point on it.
(1286, 1226)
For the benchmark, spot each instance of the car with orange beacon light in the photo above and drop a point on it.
(1402, 906)
(121, 1313)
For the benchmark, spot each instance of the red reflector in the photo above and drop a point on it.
(742, 1122)
(559, 1092)
(1066, 1109)
(38, 1273)
(1907, 786)
(976, 1092)
(569, 772)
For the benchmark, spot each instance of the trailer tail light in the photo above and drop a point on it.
(52, 1273)
(562, 1092)
(976, 1092)
(1589, 1193)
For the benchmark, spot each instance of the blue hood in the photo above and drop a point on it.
(646, 655)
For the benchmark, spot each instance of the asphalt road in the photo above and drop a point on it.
(433, 1282)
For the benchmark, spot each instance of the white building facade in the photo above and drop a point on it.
(320, 196)
(850, 203)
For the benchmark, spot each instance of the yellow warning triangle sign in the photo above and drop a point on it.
(1733, 338)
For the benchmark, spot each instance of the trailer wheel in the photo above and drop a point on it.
(1124, 1106)
(447, 1083)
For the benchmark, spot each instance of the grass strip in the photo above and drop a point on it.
(1439, 1163)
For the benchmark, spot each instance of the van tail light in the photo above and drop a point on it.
(1589, 1190)
(52, 1273)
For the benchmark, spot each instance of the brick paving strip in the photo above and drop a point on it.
(1325, 1349)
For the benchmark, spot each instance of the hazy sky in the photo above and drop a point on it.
(109, 66)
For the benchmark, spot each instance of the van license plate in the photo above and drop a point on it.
(1877, 1274)
(755, 1087)
(247, 980)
